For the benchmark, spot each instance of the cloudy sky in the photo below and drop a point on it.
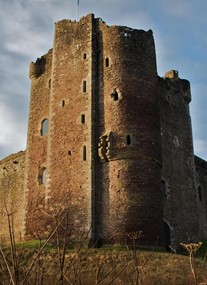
(26, 32)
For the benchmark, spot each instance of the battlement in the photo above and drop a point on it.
(172, 74)
(13, 157)
(176, 90)
(37, 68)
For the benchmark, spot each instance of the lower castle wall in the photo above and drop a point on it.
(12, 170)
(201, 189)
(131, 201)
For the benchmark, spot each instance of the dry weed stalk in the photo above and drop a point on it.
(135, 236)
(192, 248)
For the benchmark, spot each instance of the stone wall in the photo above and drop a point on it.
(37, 140)
(69, 144)
(12, 170)
(178, 161)
(201, 189)
(61, 92)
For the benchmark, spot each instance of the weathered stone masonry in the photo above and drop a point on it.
(12, 173)
(110, 139)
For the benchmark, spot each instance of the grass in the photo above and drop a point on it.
(54, 262)
(108, 265)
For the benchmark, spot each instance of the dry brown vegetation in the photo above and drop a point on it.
(98, 266)
(51, 262)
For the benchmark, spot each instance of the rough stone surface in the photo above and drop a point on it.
(12, 170)
(201, 186)
(180, 199)
(111, 140)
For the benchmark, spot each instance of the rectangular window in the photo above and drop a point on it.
(84, 86)
(84, 153)
(82, 119)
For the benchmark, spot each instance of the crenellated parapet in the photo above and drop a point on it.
(37, 68)
(177, 85)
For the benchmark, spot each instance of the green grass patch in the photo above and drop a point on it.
(34, 244)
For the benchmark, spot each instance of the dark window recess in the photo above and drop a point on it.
(128, 140)
(42, 176)
(164, 187)
(44, 127)
(84, 86)
(107, 62)
(118, 174)
(115, 95)
(84, 153)
(200, 194)
(84, 56)
(63, 103)
(49, 83)
(69, 152)
(82, 119)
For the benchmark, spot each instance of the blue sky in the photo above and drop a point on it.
(26, 32)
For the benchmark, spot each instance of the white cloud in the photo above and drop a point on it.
(12, 135)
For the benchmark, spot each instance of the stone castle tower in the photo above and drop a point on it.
(111, 140)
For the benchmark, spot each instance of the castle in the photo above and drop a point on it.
(110, 139)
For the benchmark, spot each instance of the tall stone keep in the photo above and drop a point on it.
(94, 133)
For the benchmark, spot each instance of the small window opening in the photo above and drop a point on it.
(42, 176)
(118, 174)
(63, 103)
(115, 95)
(128, 140)
(84, 153)
(164, 187)
(69, 152)
(107, 62)
(125, 34)
(44, 127)
(84, 56)
(82, 119)
(84, 86)
(200, 194)
(49, 83)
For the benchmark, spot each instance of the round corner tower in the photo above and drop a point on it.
(129, 141)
